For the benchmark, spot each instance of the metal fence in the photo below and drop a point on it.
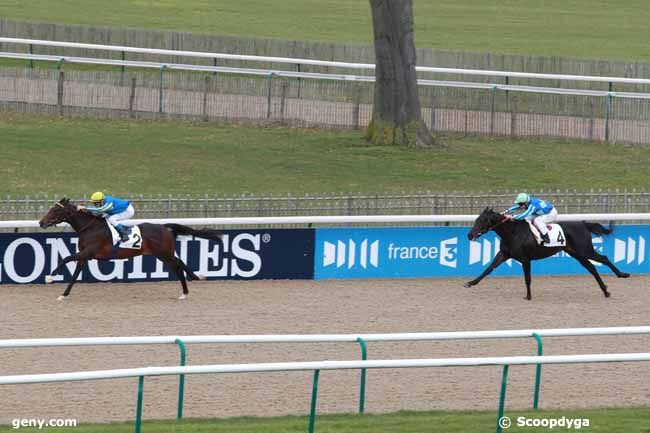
(304, 49)
(118, 93)
(318, 103)
(420, 203)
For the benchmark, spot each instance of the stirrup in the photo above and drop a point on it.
(123, 232)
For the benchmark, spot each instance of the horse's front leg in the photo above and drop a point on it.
(59, 267)
(498, 259)
(527, 279)
(80, 265)
(81, 258)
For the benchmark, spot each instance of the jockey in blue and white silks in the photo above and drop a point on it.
(537, 211)
(113, 209)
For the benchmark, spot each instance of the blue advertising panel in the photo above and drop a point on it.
(243, 254)
(411, 252)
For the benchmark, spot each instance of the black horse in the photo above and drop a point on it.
(518, 242)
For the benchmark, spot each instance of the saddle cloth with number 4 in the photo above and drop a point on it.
(134, 241)
(555, 234)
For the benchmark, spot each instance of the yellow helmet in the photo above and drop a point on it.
(97, 196)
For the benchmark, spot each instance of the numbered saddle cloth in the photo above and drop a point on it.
(555, 234)
(134, 241)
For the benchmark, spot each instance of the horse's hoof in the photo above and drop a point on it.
(49, 279)
(607, 294)
(528, 298)
(624, 275)
(61, 298)
(182, 297)
(467, 285)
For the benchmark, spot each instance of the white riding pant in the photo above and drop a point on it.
(119, 218)
(541, 220)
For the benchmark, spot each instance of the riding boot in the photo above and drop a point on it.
(123, 231)
(545, 239)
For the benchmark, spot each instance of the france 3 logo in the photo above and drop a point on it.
(385, 253)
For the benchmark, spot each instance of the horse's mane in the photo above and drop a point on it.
(65, 201)
(490, 212)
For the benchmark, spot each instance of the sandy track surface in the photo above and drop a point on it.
(277, 307)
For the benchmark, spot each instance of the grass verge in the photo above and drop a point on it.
(597, 421)
(75, 156)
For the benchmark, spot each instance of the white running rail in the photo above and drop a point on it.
(141, 373)
(286, 60)
(361, 339)
(320, 365)
(323, 338)
(345, 219)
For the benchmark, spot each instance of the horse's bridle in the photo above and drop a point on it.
(84, 227)
(498, 223)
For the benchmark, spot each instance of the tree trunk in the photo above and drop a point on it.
(396, 116)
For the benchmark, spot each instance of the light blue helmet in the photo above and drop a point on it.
(522, 197)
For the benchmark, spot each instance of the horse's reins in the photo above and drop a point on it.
(84, 227)
(503, 219)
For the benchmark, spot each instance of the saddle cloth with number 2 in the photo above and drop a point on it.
(134, 241)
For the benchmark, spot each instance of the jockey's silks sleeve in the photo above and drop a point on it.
(112, 205)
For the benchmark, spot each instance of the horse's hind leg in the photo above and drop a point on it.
(592, 269)
(190, 274)
(176, 265)
(181, 276)
(605, 261)
(527, 279)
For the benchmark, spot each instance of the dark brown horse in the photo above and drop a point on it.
(518, 242)
(95, 242)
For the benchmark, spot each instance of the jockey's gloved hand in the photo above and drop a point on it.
(80, 207)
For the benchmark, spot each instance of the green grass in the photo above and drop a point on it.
(75, 156)
(600, 421)
(609, 29)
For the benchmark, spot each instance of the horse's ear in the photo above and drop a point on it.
(64, 200)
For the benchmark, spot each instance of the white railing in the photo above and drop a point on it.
(361, 339)
(350, 219)
(286, 60)
(319, 365)
(322, 338)
(321, 76)
(505, 361)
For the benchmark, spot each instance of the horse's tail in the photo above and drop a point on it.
(182, 230)
(598, 229)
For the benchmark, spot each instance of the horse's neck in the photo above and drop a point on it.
(79, 221)
(506, 230)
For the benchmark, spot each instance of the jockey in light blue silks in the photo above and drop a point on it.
(534, 210)
(113, 209)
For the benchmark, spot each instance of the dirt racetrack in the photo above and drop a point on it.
(353, 306)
